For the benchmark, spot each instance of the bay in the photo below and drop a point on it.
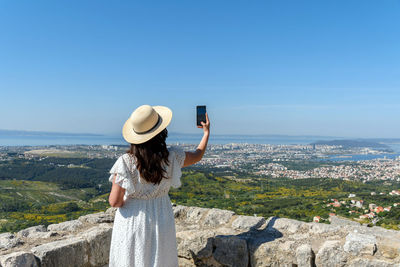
(174, 138)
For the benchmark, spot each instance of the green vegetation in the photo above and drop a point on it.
(303, 165)
(63, 171)
(53, 190)
(28, 203)
(300, 199)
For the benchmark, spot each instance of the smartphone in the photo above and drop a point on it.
(201, 114)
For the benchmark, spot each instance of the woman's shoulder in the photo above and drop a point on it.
(177, 153)
(125, 160)
(122, 158)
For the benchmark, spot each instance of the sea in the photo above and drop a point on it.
(177, 138)
(173, 138)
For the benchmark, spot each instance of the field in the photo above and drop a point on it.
(26, 203)
(300, 199)
(53, 190)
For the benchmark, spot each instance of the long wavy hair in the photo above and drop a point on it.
(151, 157)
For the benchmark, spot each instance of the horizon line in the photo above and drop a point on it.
(27, 132)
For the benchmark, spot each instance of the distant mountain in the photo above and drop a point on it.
(383, 140)
(354, 144)
(40, 133)
(258, 135)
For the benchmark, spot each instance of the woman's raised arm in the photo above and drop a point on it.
(196, 156)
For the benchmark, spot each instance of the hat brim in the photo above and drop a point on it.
(134, 138)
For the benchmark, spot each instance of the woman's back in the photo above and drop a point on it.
(144, 227)
(136, 186)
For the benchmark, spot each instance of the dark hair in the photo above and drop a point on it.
(151, 157)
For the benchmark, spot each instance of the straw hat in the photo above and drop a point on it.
(145, 123)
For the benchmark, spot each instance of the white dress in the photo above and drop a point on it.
(144, 227)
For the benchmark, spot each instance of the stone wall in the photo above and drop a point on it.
(211, 237)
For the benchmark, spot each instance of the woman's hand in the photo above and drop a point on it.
(205, 125)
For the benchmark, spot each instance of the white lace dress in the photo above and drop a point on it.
(144, 227)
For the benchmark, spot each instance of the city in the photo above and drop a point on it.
(246, 163)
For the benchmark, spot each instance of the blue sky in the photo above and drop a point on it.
(261, 67)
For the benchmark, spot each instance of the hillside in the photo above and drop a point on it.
(355, 143)
(213, 238)
(27, 203)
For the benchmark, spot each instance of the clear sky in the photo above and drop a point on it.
(261, 67)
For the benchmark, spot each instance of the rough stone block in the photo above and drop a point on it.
(65, 226)
(66, 253)
(179, 211)
(322, 228)
(263, 254)
(31, 231)
(111, 211)
(364, 262)
(360, 244)
(182, 262)
(18, 259)
(305, 256)
(337, 221)
(99, 240)
(285, 225)
(195, 244)
(217, 217)
(100, 217)
(247, 222)
(331, 254)
(231, 251)
(8, 240)
(194, 214)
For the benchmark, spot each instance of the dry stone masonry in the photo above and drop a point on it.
(211, 237)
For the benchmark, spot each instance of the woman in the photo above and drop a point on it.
(144, 226)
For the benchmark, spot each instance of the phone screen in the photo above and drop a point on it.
(201, 114)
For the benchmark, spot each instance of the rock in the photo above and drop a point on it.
(247, 222)
(195, 244)
(331, 254)
(99, 240)
(100, 217)
(194, 214)
(322, 228)
(67, 253)
(265, 248)
(388, 251)
(389, 246)
(43, 235)
(28, 232)
(304, 236)
(364, 262)
(264, 254)
(229, 231)
(337, 221)
(360, 244)
(287, 246)
(216, 217)
(179, 211)
(69, 226)
(231, 251)
(111, 211)
(213, 237)
(8, 240)
(305, 256)
(182, 262)
(18, 259)
(286, 225)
